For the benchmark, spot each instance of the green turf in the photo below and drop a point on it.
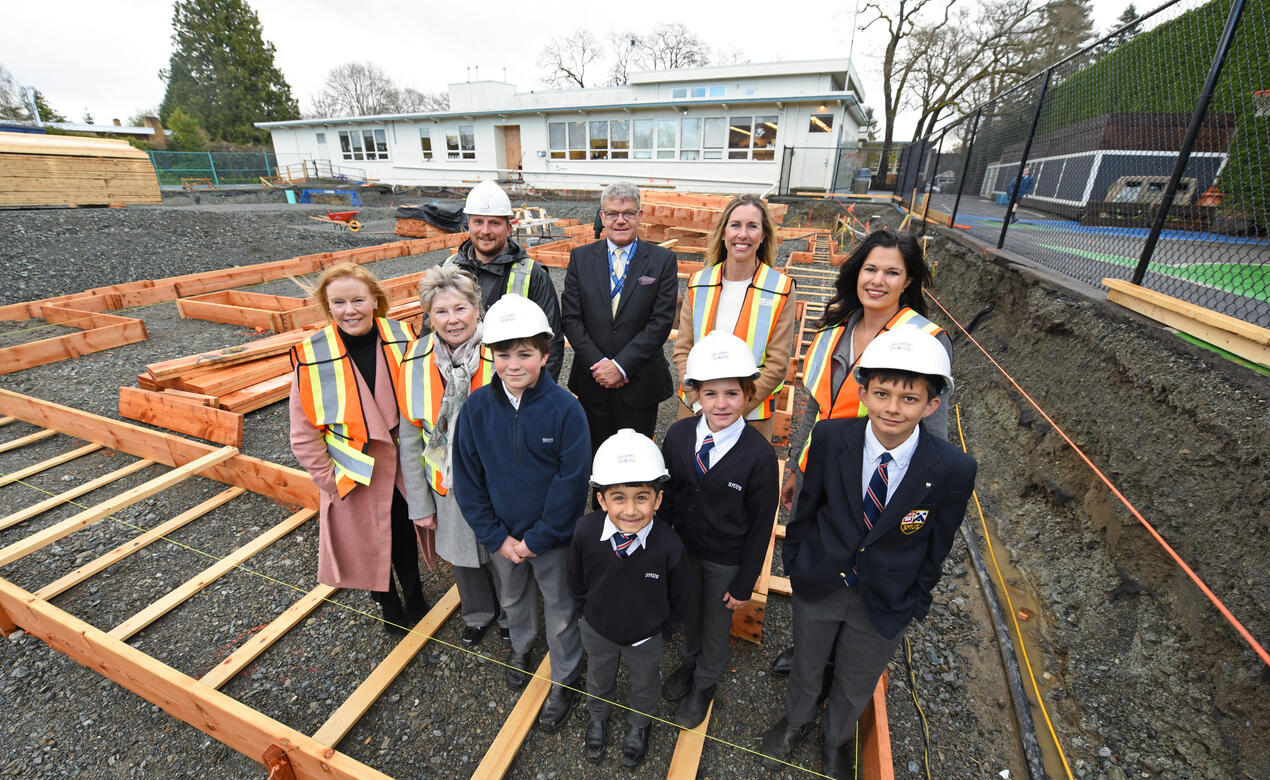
(1252, 281)
(1232, 357)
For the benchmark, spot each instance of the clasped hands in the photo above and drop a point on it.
(607, 374)
(515, 550)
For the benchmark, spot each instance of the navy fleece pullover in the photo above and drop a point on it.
(522, 473)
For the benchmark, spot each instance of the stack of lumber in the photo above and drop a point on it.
(417, 228)
(687, 217)
(59, 170)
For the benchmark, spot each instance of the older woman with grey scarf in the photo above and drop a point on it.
(439, 371)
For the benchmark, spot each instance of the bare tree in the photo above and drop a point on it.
(356, 89)
(13, 105)
(732, 56)
(410, 100)
(623, 45)
(670, 46)
(564, 60)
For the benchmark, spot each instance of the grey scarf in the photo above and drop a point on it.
(456, 364)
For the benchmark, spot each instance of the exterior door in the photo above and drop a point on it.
(511, 150)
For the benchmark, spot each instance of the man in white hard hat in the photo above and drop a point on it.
(521, 458)
(502, 266)
(617, 308)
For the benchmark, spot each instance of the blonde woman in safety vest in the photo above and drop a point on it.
(878, 288)
(739, 292)
(440, 370)
(344, 422)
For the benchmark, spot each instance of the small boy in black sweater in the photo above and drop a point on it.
(626, 573)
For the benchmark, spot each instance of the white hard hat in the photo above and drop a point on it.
(627, 457)
(720, 355)
(514, 317)
(488, 200)
(907, 348)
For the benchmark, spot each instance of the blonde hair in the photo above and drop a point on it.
(766, 253)
(448, 278)
(352, 271)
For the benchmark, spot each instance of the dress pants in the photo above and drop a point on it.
(838, 621)
(643, 665)
(612, 415)
(708, 623)
(477, 595)
(405, 557)
(518, 588)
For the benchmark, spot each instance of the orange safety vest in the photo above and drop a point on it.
(818, 370)
(765, 299)
(328, 393)
(423, 389)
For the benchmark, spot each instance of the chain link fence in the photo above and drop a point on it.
(219, 167)
(1145, 157)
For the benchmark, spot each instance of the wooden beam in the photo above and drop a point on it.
(6, 420)
(780, 585)
(288, 485)
(44, 465)
(73, 578)
(498, 759)
(263, 639)
(355, 706)
(180, 415)
(43, 538)
(22, 441)
(233, 723)
(69, 495)
(780, 530)
(875, 736)
(1244, 339)
(687, 756)
(198, 582)
(51, 350)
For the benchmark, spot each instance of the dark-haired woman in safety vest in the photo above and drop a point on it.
(344, 419)
(740, 292)
(439, 372)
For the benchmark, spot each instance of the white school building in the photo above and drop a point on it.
(729, 128)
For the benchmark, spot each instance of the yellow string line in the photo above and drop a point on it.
(912, 689)
(298, 589)
(1005, 590)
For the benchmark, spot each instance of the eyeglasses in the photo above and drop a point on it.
(614, 216)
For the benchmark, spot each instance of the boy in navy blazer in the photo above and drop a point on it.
(880, 505)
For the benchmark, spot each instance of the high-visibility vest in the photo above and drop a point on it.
(328, 393)
(422, 390)
(818, 371)
(517, 281)
(765, 298)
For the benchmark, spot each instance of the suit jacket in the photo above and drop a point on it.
(635, 337)
(898, 562)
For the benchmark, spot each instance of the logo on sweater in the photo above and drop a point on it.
(735, 486)
(913, 521)
(548, 439)
(652, 575)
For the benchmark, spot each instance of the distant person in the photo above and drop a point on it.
(617, 309)
(1022, 186)
(502, 266)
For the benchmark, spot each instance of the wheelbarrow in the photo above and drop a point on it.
(342, 220)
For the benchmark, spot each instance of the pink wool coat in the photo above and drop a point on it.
(355, 532)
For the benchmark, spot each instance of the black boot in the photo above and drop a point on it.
(395, 622)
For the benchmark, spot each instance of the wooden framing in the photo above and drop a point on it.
(44, 465)
(253, 310)
(512, 735)
(262, 640)
(175, 413)
(100, 332)
(61, 498)
(1244, 339)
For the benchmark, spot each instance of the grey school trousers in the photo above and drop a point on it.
(708, 623)
(479, 599)
(643, 665)
(862, 656)
(518, 588)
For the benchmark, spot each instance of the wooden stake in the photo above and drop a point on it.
(355, 706)
(687, 757)
(512, 735)
(183, 592)
(30, 438)
(126, 499)
(58, 460)
(70, 580)
(73, 493)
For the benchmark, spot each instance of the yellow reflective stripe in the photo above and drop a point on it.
(521, 272)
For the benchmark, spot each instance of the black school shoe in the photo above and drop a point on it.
(780, 741)
(838, 761)
(472, 635)
(784, 663)
(516, 673)
(595, 738)
(556, 709)
(677, 684)
(635, 745)
(693, 709)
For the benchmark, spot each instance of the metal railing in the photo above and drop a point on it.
(1144, 157)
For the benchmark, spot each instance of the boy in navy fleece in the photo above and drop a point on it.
(628, 574)
(521, 456)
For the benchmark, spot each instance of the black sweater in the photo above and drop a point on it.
(727, 516)
(628, 599)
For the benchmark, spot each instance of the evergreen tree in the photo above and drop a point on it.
(47, 112)
(187, 136)
(222, 71)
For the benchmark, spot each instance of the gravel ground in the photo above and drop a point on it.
(438, 717)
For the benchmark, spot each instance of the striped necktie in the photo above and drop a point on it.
(703, 455)
(622, 543)
(874, 502)
(617, 276)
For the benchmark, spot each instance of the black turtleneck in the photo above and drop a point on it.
(362, 350)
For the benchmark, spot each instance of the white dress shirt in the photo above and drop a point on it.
(723, 440)
(896, 469)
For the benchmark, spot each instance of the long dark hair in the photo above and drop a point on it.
(845, 298)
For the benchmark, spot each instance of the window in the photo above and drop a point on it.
(820, 123)
(351, 145)
(367, 144)
(679, 138)
(643, 139)
(717, 91)
(765, 137)
(678, 93)
(698, 92)
(467, 139)
(321, 139)
(599, 140)
(556, 140)
(620, 138)
(425, 142)
(577, 140)
(666, 139)
(740, 130)
(716, 131)
(690, 139)
(460, 143)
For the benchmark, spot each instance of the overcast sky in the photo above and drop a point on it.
(104, 56)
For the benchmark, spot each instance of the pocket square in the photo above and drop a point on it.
(647, 279)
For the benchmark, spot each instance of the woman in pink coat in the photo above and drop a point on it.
(344, 433)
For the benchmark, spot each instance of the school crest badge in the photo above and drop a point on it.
(913, 521)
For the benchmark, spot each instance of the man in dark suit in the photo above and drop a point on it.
(617, 309)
